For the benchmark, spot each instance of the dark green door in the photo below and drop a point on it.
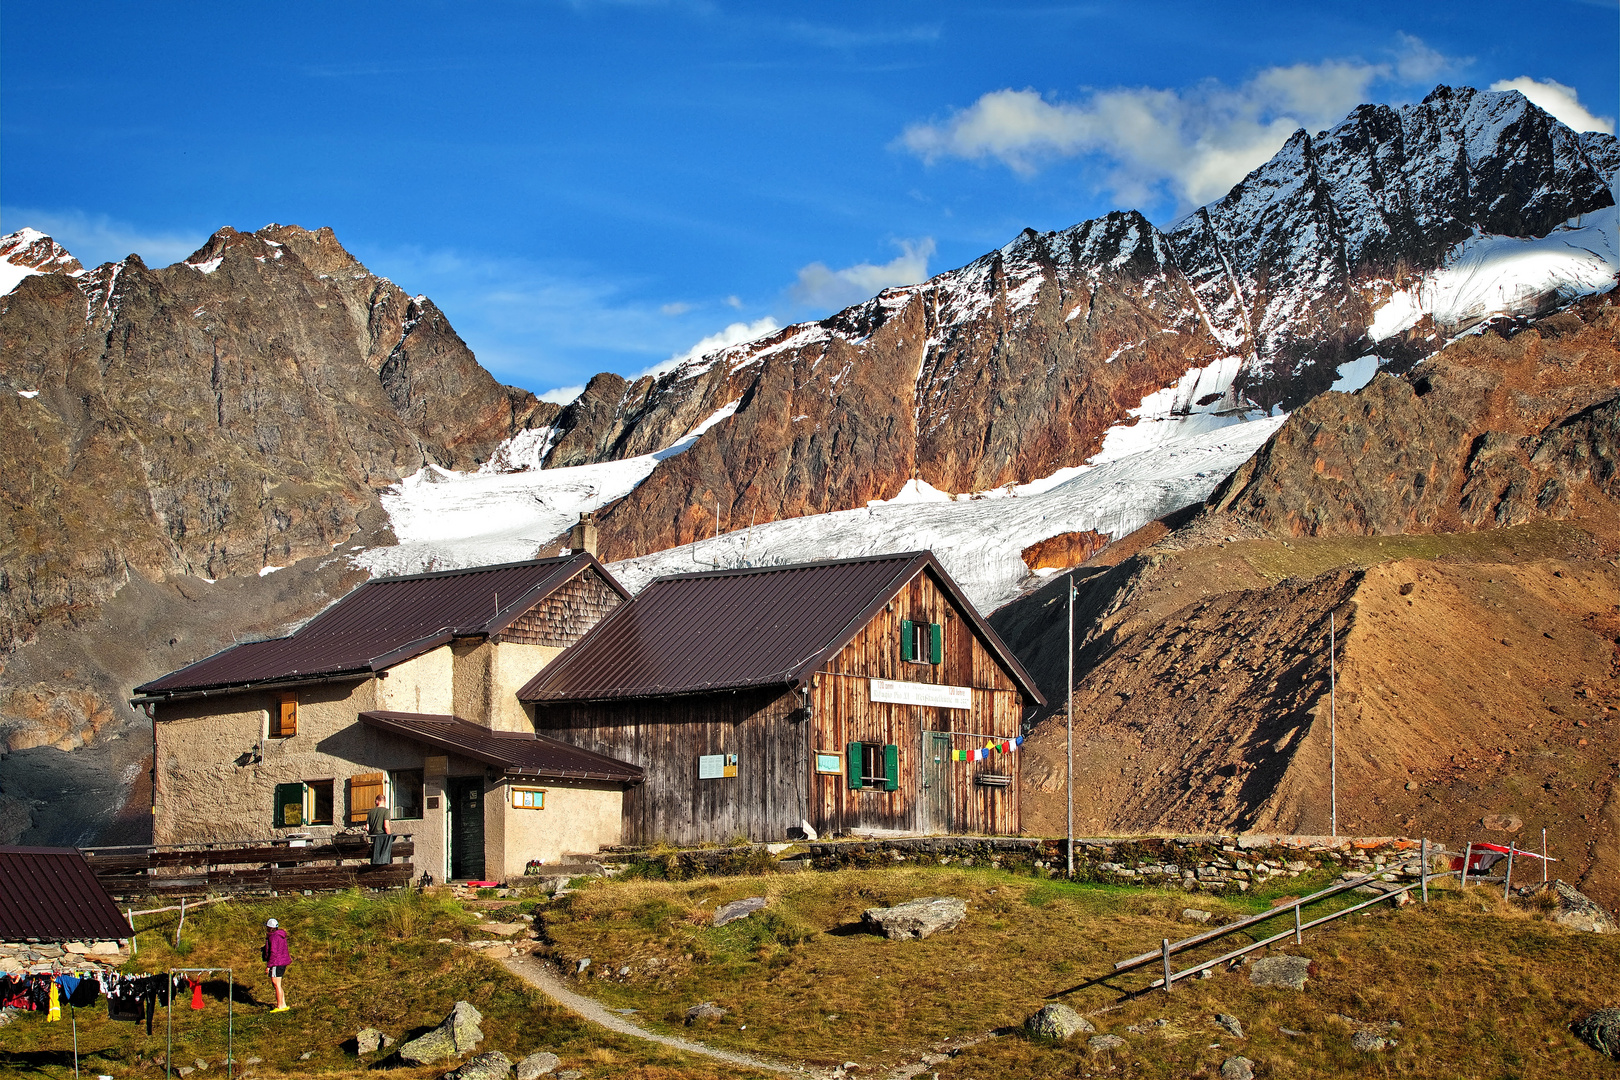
(466, 798)
(936, 782)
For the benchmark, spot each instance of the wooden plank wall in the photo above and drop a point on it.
(842, 712)
(567, 614)
(766, 730)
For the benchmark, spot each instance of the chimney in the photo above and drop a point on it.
(582, 537)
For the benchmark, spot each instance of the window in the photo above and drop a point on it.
(407, 797)
(873, 766)
(363, 792)
(284, 718)
(318, 802)
(289, 806)
(529, 798)
(922, 642)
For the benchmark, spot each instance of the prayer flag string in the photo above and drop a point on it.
(994, 746)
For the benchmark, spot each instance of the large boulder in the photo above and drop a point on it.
(1056, 1021)
(370, 1040)
(491, 1066)
(538, 1064)
(1574, 909)
(916, 918)
(1287, 972)
(457, 1035)
(1100, 1044)
(1600, 1031)
(1237, 1067)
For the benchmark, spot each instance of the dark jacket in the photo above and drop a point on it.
(275, 948)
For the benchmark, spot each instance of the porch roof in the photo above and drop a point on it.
(517, 753)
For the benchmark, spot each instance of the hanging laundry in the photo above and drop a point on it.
(56, 1004)
(196, 994)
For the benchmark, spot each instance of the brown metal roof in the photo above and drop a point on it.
(384, 621)
(519, 753)
(52, 894)
(733, 629)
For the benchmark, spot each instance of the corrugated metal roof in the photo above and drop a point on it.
(385, 621)
(733, 629)
(519, 753)
(52, 894)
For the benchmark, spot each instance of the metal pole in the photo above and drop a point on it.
(1423, 872)
(230, 1023)
(1165, 945)
(1544, 855)
(134, 946)
(1468, 857)
(1507, 881)
(1070, 770)
(73, 1018)
(1298, 931)
(1333, 723)
(168, 1056)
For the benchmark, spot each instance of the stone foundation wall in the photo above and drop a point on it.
(40, 957)
(1213, 864)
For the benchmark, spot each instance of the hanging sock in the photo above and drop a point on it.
(56, 1003)
(196, 995)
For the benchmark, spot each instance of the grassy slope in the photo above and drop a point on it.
(358, 961)
(1480, 989)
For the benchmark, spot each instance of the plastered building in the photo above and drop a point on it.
(406, 688)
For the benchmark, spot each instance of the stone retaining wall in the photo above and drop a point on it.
(37, 957)
(1215, 864)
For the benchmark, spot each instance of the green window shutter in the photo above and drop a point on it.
(853, 759)
(908, 637)
(289, 808)
(891, 767)
(936, 643)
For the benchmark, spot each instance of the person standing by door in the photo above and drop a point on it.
(276, 958)
(381, 833)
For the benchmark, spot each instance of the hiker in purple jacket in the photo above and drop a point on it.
(276, 959)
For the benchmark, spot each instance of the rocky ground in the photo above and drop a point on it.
(1478, 619)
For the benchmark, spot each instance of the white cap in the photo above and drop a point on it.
(271, 923)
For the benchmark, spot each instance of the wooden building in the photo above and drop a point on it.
(829, 695)
(404, 689)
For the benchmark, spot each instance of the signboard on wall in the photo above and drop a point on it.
(717, 766)
(913, 693)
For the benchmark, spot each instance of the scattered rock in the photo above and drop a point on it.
(1100, 1043)
(306, 1055)
(1291, 1031)
(1231, 1023)
(1057, 1021)
(1502, 823)
(1287, 972)
(581, 964)
(738, 909)
(570, 1074)
(185, 1070)
(1237, 1068)
(504, 929)
(491, 1066)
(203, 1065)
(704, 1010)
(498, 952)
(537, 1064)
(1411, 785)
(1368, 1041)
(370, 1040)
(1578, 911)
(458, 1034)
(1195, 915)
(253, 1061)
(918, 918)
(1600, 1031)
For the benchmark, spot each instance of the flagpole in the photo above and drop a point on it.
(1333, 722)
(1070, 770)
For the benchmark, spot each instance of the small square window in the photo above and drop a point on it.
(873, 773)
(318, 802)
(407, 790)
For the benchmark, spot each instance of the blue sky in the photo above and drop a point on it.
(598, 186)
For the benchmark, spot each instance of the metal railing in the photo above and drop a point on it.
(1167, 948)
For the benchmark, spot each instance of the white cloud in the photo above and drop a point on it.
(1559, 100)
(1196, 142)
(734, 334)
(821, 286)
(734, 302)
(96, 238)
(677, 308)
(562, 395)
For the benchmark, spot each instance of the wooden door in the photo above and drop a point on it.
(466, 798)
(936, 782)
